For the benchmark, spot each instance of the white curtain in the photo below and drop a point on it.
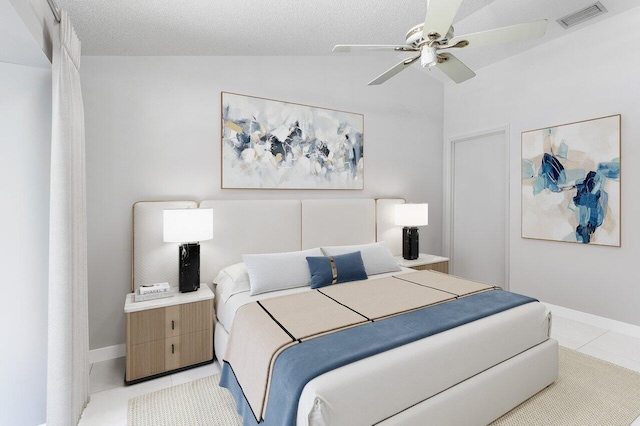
(68, 344)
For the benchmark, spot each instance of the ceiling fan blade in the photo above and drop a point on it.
(393, 71)
(454, 68)
(440, 14)
(510, 34)
(346, 48)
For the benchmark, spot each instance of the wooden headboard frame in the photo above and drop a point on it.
(258, 226)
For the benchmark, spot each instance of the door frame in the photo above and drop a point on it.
(449, 190)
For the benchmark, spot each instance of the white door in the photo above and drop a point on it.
(479, 203)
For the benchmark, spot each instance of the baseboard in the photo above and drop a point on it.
(596, 321)
(107, 353)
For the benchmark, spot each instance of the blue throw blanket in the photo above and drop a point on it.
(299, 364)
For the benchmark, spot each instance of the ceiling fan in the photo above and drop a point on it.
(435, 38)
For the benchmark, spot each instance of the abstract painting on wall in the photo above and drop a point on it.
(571, 182)
(271, 144)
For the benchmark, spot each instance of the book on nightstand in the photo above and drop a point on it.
(154, 288)
(137, 297)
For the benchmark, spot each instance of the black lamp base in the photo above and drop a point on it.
(410, 243)
(189, 267)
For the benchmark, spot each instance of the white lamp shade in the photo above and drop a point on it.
(412, 214)
(188, 225)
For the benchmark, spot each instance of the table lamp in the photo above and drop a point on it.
(410, 216)
(188, 227)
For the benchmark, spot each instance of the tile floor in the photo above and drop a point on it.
(109, 397)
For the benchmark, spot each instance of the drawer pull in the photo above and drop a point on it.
(172, 348)
(173, 325)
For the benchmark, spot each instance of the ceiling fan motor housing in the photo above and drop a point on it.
(414, 36)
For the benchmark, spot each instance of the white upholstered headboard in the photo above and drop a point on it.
(248, 226)
(338, 222)
(259, 226)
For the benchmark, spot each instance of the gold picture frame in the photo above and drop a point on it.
(272, 144)
(571, 182)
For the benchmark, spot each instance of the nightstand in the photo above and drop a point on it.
(425, 262)
(168, 335)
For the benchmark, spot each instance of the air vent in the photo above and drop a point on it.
(582, 15)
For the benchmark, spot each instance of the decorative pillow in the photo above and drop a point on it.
(278, 271)
(376, 257)
(232, 280)
(342, 268)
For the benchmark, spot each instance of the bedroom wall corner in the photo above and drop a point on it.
(561, 82)
(153, 133)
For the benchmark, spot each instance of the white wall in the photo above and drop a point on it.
(25, 139)
(37, 17)
(153, 133)
(580, 76)
(17, 45)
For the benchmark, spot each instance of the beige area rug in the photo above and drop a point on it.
(588, 392)
(198, 403)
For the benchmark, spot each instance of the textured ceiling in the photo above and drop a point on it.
(298, 27)
(245, 28)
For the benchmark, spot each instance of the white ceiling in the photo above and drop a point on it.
(298, 27)
(510, 12)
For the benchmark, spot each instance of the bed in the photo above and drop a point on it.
(469, 374)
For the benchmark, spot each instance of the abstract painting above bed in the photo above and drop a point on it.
(272, 144)
(571, 182)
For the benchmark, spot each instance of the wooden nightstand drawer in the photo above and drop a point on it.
(145, 326)
(145, 359)
(188, 318)
(197, 347)
(196, 316)
(161, 339)
(188, 349)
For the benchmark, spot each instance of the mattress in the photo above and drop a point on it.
(376, 388)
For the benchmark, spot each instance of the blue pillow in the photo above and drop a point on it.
(327, 270)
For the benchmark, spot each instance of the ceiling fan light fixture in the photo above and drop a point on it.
(429, 57)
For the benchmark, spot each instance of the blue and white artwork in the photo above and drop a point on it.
(279, 145)
(571, 182)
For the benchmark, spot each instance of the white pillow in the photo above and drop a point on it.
(278, 271)
(377, 257)
(232, 280)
